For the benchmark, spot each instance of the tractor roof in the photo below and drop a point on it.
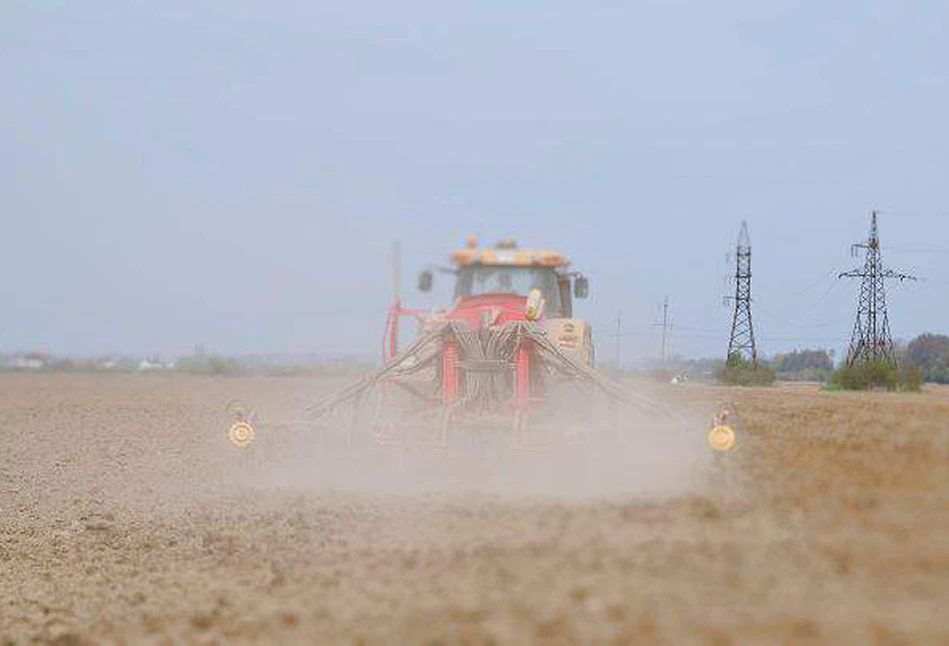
(507, 254)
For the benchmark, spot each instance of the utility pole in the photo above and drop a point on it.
(871, 340)
(619, 337)
(666, 326)
(742, 340)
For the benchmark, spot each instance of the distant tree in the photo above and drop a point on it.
(208, 365)
(738, 371)
(876, 375)
(930, 353)
(804, 365)
(705, 366)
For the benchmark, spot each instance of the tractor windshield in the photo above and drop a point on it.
(493, 279)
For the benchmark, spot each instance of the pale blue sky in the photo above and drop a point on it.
(232, 173)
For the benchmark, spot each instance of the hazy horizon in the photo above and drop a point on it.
(233, 176)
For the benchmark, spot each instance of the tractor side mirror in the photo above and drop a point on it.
(581, 287)
(425, 280)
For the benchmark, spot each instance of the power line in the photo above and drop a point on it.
(827, 275)
(944, 252)
(795, 322)
(826, 323)
(717, 335)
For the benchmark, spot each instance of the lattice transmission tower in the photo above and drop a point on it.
(742, 341)
(871, 340)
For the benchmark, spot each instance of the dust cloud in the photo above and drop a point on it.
(127, 515)
(594, 450)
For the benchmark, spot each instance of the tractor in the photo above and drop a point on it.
(505, 351)
(495, 287)
(506, 360)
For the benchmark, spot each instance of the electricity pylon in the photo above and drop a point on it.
(871, 340)
(742, 341)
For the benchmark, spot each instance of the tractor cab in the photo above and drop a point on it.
(506, 270)
(505, 283)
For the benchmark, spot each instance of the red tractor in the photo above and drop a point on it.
(507, 348)
(506, 360)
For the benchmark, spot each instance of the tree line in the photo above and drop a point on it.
(925, 358)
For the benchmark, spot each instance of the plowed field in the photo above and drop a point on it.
(125, 516)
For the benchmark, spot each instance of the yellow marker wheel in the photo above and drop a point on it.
(721, 438)
(241, 434)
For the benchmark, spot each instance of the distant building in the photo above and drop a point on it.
(30, 361)
(153, 363)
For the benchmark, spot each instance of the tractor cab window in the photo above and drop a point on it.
(487, 279)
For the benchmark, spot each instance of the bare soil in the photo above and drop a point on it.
(125, 516)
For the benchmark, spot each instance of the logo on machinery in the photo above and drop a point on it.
(721, 438)
(241, 434)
